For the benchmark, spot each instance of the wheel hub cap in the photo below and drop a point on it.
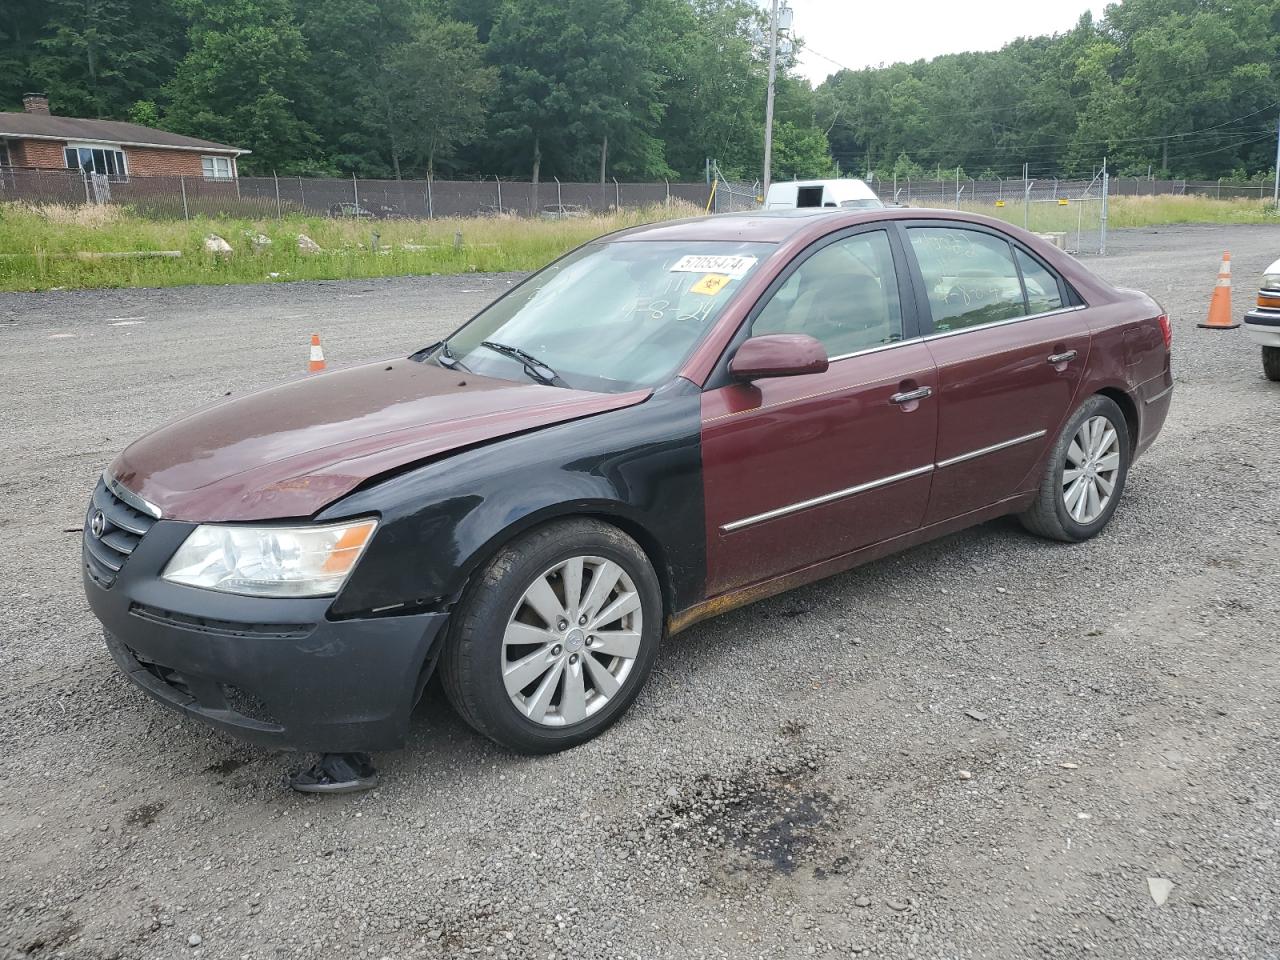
(554, 675)
(1092, 468)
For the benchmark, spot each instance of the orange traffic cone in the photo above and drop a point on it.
(317, 355)
(1220, 315)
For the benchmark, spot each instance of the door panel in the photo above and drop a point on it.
(801, 469)
(1009, 358)
(997, 386)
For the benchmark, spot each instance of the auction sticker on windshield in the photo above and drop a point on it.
(733, 266)
(711, 284)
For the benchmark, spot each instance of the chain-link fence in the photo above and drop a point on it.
(1222, 190)
(268, 197)
(1072, 211)
(734, 196)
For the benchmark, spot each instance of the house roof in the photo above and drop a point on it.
(38, 126)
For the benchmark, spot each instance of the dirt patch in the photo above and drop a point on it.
(226, 766)
(144, 815)
(772, 815)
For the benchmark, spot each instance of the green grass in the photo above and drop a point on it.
(39, 246)
(1046, 217)
(1153, 211)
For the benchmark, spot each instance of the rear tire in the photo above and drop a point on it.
(1085, 474)
(1271, 363)
(536, 659)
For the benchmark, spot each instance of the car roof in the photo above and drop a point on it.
(795, 229)
(778, 226)
(766, 226)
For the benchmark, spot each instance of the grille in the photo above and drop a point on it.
(167, 674)
(123, 528)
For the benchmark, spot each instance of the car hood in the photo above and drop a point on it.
(290, 450)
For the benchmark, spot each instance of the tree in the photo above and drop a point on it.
(98, 56)
(436, 92)
(800, 153)
(348, 42)
(245, 81)
(714, 87)
(566, 87)
(20, 27)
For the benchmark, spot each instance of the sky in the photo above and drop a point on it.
(860, 35)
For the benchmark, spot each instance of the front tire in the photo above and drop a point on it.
(1085, 475)
(555, 637)
(1271, 363)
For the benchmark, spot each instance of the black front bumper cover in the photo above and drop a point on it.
(276, 672)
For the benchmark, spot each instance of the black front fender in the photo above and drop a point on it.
(640, 467)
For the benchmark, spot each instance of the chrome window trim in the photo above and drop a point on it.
(825, 498)
(128, 496)
(877, 349)
(951, 333)
(1003, 323)
(1004, 445)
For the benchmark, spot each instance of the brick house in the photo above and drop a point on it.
(36, 138)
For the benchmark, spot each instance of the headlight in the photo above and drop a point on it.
(270, 561)
(1271, 281)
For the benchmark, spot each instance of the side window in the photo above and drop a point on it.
(970, 277)
(845, 295)
(1042, 286)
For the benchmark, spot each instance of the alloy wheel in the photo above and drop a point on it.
(1089, 476)
(571, 641)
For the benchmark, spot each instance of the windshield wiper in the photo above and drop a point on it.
(445, 358)
(534, 367)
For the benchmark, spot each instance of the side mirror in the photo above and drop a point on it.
(778, 355)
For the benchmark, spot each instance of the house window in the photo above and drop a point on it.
(5, 159)
(216, 168)
(107, 161)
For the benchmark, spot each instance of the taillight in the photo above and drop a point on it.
(1166, 330)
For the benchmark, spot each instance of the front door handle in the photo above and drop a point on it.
(909, 396)
(1066, 357)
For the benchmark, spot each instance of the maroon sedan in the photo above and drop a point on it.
(665, 424)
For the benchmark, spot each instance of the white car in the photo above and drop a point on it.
(847, 193)
(1262, 323)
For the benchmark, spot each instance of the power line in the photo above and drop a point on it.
(985, 111)
(1189, 77)
(1112, 140)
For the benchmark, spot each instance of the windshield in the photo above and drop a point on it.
(608, 317)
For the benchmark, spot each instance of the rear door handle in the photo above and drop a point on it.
(919, 393)
(1062, 357)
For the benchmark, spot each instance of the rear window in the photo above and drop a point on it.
(809, 196)
(1043, 294)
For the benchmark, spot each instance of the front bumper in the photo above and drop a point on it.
(1263, 326)
(276, 672)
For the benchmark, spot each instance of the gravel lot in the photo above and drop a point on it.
(801, 777)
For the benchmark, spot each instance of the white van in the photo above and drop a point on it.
(850, 194)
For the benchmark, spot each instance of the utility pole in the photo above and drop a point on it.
(1275, 191)
(768, 103)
